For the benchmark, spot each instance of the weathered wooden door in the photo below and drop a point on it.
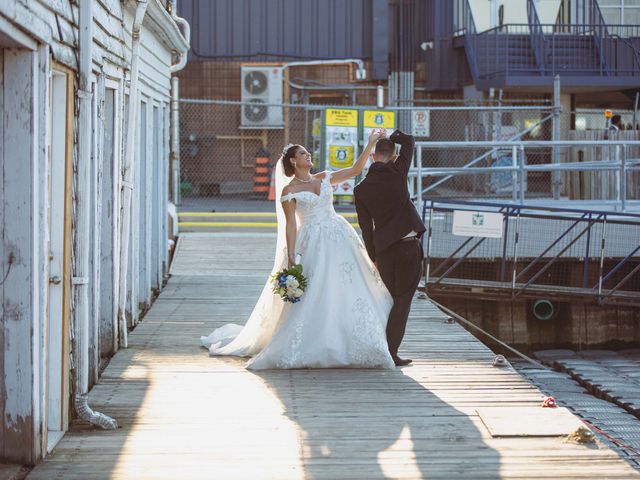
(55, 324)
(107, 253)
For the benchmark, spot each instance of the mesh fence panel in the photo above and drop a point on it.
(218, 156)
(219, 169)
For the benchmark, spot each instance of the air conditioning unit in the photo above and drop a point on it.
(261, 86)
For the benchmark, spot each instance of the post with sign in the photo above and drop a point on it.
(420, 126)
(374, 119)
(341, 147)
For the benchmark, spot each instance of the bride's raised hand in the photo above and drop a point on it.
(356, 169)
(377, 134)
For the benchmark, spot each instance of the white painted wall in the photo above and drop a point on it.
(24, 88)
(515, 11)
(24, 137)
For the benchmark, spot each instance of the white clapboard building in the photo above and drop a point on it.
(85, 103)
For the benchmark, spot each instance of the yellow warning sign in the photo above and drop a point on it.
(337, 117)
(379, 119)
(341, 156)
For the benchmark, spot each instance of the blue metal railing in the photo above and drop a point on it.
(504, 51)
(579, 43)
(587, 17)
(541, 251)
(628, 39)
(599, 26)
(536, 35)
(465, 25)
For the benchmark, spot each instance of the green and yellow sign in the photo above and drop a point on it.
(338, 117)
(379, 119)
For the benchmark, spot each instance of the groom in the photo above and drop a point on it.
(391, 229)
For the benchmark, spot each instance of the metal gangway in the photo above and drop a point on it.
(540, 251)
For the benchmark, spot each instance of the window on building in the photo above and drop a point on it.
(621, 12)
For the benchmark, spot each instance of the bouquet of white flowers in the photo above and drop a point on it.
(290, 284)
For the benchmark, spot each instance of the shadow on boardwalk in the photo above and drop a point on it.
(185, 415)
(379, 424)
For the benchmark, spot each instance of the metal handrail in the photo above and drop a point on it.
(630, 44)
(545, 43)
(520, 282)
(315, 106)
(560, 20)
(519, 168)
(473, 204)
(518, 136)
(536, 35)
(463, 17)
(591, 17)
(601, 33)
(530, 143)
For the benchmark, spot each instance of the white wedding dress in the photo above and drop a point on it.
(342, 317)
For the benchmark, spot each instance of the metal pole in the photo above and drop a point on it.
(635, 111)
(428, 259)
(556, 181)
(419, 186)
(602, 242)
(175, 142)
(514, 173)
(503, 264)
(128, 170)
(585, 268)
(622, 180)
(522, 173)
(391, 101)
(81, 271)
(515, 255)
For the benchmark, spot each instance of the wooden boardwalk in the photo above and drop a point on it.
(185, 415)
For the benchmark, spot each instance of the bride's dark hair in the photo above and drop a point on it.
(287, 154)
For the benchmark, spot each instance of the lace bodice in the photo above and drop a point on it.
(312, 208)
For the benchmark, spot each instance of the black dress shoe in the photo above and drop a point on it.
(401, 362)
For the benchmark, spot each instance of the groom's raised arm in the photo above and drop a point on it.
(366, 226)
(407, 144)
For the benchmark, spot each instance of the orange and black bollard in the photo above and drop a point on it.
(261, 175)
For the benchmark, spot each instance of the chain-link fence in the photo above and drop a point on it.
(227, 156)
(218, 166)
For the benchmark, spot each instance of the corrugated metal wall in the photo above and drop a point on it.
(386, 32)
(272, 30)
(447, 67)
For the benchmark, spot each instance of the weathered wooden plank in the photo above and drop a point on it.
(184, 414)
(61, 8)
(18, 313)
(106, 332)
(3, 256)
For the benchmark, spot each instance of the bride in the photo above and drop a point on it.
(342, 316)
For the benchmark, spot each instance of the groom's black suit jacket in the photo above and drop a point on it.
(385, 211)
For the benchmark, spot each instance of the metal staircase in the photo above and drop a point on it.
(580, 47)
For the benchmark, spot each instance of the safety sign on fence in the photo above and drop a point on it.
(372, 119)
(420, 122)
(341, 144)
(477, 224)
